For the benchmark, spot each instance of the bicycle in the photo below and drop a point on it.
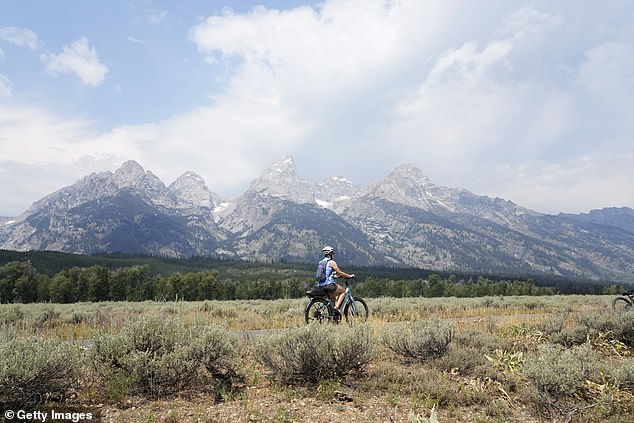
(320, 309)
(623, 303)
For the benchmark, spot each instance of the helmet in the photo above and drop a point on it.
(327, 250)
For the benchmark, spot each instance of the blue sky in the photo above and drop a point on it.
(529, 101)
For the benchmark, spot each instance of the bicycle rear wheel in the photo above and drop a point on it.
(621, 304)
(317, 311)
(356, 311)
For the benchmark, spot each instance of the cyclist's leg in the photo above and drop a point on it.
(331, 290)
(340, 293)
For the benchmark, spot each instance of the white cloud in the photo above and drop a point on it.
(482, 95)
(315, 57)
(19, 36)
(321, 70)
(528, 24)
(580, 183)
(34, 135)
(608, 72)
(472, 102)
(137, 40)
(370, 78)
(5, 86)
(155, 17)
(41, 153)
(80, 59)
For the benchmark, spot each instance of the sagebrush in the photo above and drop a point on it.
(420, 340)
(34, 370)
(157, 358)
(316, 352)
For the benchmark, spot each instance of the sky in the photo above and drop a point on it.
(532, 102)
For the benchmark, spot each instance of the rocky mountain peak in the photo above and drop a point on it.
(129, 174)
(281, 179)
(403, 218)
(188, 179)
(286, 162)
(405, 185)
(335, 191)
(410, 174)
(283, 169)
(191, 188)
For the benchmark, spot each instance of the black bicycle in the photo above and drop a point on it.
(320, 309)
(623, 303)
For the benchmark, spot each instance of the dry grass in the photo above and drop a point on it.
(481, 377)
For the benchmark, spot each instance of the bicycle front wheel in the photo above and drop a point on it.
(317, 311)
(621, 304)
(356, 311)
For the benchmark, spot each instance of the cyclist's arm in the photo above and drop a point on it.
(338, 271)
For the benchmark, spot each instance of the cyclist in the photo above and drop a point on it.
(336, 293)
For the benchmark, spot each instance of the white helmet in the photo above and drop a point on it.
(327, 250)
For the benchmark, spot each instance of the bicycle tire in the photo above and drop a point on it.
(357, 312)
(621, 304)
(317, 311)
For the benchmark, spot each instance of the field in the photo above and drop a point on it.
(491, 359)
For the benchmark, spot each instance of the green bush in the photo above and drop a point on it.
(316, 352)
(158, 358)
(558, 372)
(33, 370)
(421, 340)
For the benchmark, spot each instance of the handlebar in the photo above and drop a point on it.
(348, 279)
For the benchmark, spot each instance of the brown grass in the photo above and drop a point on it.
(480, 378)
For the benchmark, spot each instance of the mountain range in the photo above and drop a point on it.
(401, 220)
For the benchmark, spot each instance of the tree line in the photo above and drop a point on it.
(396, 280)
(21, 283)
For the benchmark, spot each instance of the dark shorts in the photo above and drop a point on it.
(331, 287)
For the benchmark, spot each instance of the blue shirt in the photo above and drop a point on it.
(330, 274)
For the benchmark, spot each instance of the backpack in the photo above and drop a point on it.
(320, 274)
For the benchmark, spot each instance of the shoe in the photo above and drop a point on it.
(337, 314)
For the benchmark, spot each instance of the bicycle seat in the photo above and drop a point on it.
(316, 292)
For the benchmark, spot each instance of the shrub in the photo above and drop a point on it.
(10, 314)
(482, 342)
(559, 372)
(48, 317)
(158, 358)
(623, 375)
(555, 323)
(216, 352)
(33, 370)
(420, 340)
(568, 337)
(464, 360)
(620, 327)
(316, 352)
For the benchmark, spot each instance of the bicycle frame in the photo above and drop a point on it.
(351, 307)
(349, 299)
